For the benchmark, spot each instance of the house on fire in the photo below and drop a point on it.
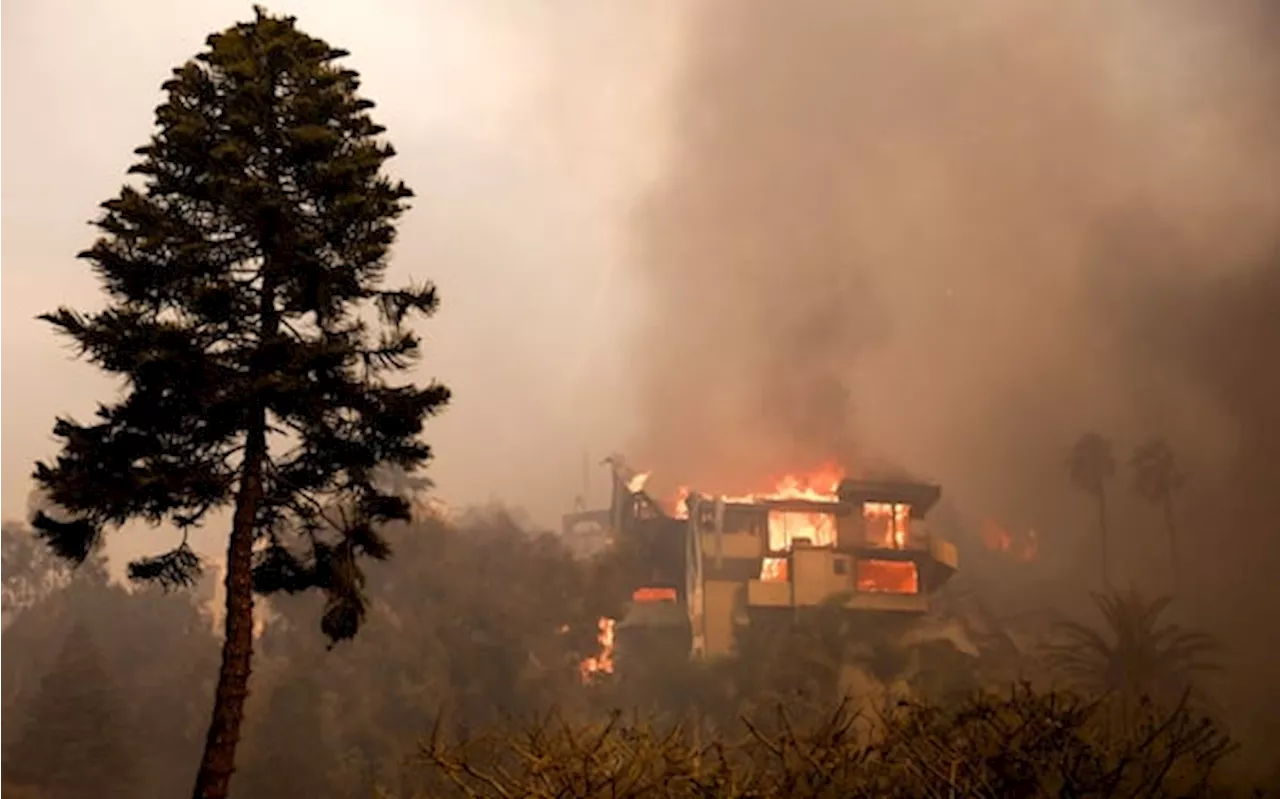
(727, 563)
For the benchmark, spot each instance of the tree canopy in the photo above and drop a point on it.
(263, 358)
(237, 279)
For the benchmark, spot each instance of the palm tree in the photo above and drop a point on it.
(1091, 465)
(1135, 655)
(1157, 479)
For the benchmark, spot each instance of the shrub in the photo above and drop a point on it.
(1026, 744)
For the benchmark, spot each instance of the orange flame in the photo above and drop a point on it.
(787, 526)
(997, 538)
(818, 485)
(648, 594)
(602, 661)
(676, 506)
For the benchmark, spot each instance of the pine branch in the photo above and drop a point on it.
(72, 540)
(178, 568)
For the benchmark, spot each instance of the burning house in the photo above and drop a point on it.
(712, 564)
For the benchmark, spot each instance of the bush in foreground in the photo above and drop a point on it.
(1024, 745)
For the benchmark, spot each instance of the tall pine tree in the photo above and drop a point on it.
(71, 743)
(259, 350)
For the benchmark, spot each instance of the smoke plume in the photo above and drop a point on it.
(899, 238)
(951, 242)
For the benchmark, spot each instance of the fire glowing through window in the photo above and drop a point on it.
(786, 527)
(888, 577)
(887, 524)
(774, 570)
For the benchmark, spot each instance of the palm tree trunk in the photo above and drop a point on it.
(1173, 542)
(1102, 535)
(213, 781)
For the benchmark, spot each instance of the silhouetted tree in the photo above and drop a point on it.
(1135, 655)
(1092, 465)
(237, 281)
(72, 744)
(1156, 478)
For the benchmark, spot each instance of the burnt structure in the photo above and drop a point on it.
(728, 563)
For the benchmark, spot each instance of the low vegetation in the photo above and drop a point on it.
(1022, 745)
(465, 682)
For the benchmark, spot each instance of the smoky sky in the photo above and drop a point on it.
(525, 131)
(948, 244)
(887, 235)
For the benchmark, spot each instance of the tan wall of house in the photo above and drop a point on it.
(944, 552)
(721, 603)
(919, 529)
(769, 593)
(814, 577)
(849, 530)
(732, 545)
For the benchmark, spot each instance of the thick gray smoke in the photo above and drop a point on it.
(881, 235)
(951, 242)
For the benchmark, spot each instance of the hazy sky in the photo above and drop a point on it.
(526, 130)
(727, 236)
(899, 237)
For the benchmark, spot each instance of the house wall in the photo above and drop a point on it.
(731, 545)
(769, 594)
(815, 575)
(721, 599)
(726, 548)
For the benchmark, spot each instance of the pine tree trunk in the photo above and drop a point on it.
(218, 762)
(1102, 536)
(1173, 543)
